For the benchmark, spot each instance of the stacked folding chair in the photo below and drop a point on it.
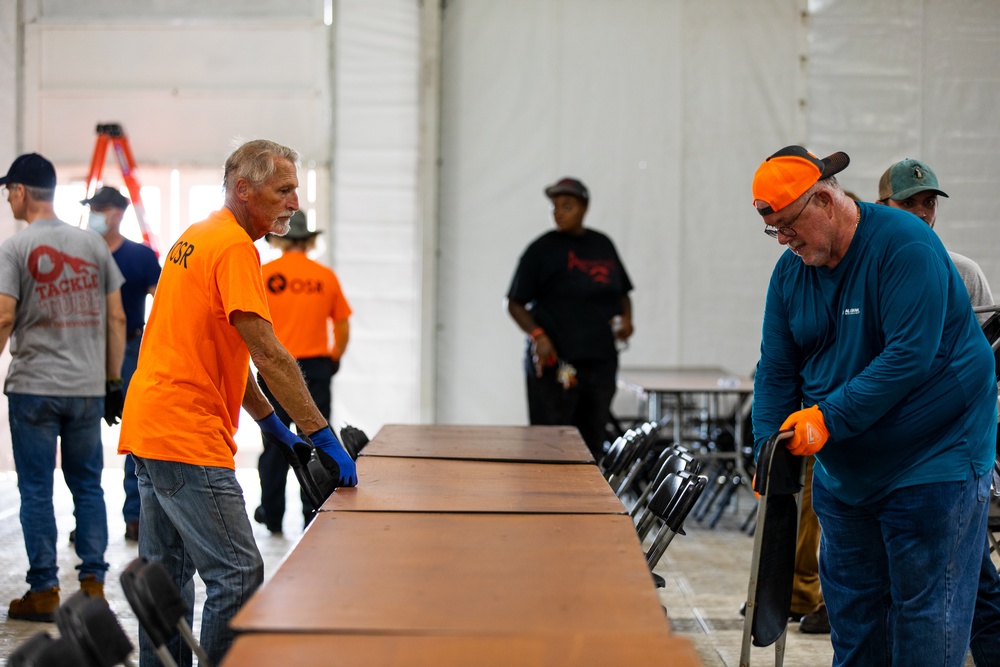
(671, 503)
(676, 460)
(158, 605)
(89, 636)
(631, 465)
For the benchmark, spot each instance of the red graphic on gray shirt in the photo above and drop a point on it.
(65, 297)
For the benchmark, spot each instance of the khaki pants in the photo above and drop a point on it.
(806, 594)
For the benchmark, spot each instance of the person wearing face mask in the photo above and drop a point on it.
(141, 269)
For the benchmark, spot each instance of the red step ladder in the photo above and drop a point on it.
(113, 134)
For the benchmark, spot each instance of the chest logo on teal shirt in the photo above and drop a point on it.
(852, 311)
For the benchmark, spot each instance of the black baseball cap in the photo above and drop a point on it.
(33, 170)
(107, 196)
(568, 186)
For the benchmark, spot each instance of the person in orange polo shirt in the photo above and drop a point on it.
(305, 299)
(209, 319)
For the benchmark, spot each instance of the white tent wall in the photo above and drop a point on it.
(664, 107)
(896, 79)
(664, 110)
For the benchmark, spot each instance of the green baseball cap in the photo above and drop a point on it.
(906, 178)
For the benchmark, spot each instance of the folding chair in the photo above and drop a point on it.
(686, 462)
(647, 433)
(672, 502)
(769, 595)
(89, 623)
(354, 440)
(41, 650)
(618, 456)
(674, 463)
(159, 607)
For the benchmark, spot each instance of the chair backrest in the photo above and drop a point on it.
(41, 650)
(353, 439)
(685, 500)
(668, 491)
(620, 454)
(92, 626)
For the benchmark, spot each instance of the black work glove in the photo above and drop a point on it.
(114, 401)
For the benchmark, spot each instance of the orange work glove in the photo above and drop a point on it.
(810, 431)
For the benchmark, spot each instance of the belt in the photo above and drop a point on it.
(132, 334)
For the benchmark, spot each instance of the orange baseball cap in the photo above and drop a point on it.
(787, 174)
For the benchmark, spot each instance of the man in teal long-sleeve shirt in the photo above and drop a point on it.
(871, 353)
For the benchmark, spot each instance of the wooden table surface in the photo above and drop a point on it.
(394, 572)
(562, 650)
(541, 444)
(450, 485)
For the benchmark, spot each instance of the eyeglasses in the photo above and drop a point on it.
(787, 229)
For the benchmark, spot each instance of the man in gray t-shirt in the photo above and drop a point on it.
(61, 308)
(911, 185)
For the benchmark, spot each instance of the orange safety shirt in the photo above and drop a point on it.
(303, 296)
(183, 403)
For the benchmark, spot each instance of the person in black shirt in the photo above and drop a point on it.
(570, 294)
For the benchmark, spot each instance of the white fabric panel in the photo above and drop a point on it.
(77, 11)
(664, 109)
(897, 79)
(9, 146)
(376, 249)
(743, 80)
(182, 91)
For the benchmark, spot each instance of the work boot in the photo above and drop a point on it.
(131, 531)
(816, 623)
(92, 587)
(36, 606)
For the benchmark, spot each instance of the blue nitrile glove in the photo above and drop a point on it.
(272, 426)
(326, 443)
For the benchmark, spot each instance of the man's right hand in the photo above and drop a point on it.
(544, 354)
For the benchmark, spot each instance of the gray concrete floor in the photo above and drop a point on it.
(706, 573)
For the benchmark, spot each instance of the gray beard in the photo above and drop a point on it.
(280, 227)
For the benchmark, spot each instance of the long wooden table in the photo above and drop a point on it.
(489, 574)
(539, 444)
(266, 650)
(448, 485)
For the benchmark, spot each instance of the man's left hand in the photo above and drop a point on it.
(337, 460)
(114, 401)
(810, 431)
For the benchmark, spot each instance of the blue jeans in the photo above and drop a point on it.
(36, 422)
(899, 575)
(985, 644)
(130, 510)
(194, 518)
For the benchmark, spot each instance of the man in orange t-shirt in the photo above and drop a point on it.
(304, 298)
(209, 319)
